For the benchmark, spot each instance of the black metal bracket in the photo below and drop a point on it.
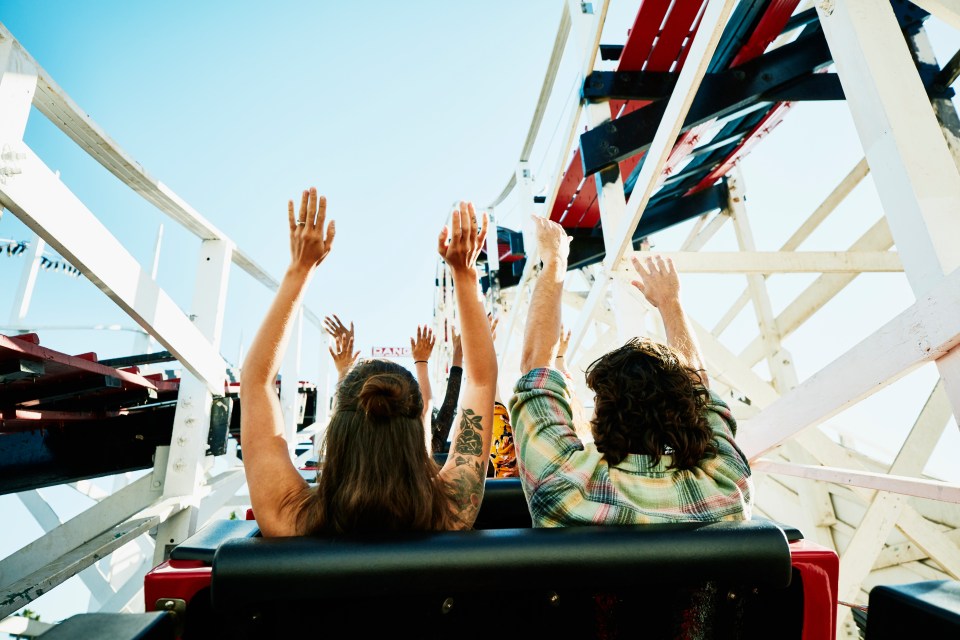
(724, 94)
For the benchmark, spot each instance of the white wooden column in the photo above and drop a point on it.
(188, 442)
(914, 171)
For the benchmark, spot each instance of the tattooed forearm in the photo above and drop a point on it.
(470, 436)
(467, 491)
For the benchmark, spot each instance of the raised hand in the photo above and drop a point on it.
(658, 280)
(309, 242)
(553, 242)
(461, 242)
(336, 328)
(422, 346)
(343, 355)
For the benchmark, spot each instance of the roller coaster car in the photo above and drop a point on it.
(723, 580)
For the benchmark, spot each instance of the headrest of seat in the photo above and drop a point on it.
(264, 570)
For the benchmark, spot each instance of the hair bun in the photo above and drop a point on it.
(382, 396)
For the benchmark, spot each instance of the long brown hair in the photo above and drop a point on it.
(648, 400)
(377, 475)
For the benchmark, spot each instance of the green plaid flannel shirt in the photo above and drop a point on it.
(567, 482)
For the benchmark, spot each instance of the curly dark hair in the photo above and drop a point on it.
(649, 400)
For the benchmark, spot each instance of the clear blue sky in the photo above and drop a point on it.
(394, 110)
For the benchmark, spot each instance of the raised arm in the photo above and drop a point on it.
(420, 348)
(448, 410)
(542, 332)
(466, 465)
(341, 350)
(276, 488)
(660, 284)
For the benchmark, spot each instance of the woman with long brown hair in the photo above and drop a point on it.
(377, 473)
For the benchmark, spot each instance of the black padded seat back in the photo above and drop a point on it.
(263, 570)
(204, 543)
(504, 506)
(533, 581)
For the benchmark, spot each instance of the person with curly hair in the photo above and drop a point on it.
(663, 445)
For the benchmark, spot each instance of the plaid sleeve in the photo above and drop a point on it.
(730, 467)
(542, 424)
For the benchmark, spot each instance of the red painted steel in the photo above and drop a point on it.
(763, 128)
(767, 30)
(660, 41)
(819, 569)
(650, 48)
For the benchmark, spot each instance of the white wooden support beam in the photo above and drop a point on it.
(933, 542)
(695, 242)
(884, 509)
(18, 85)
(830, 203)
(823, 289)
(926, 331)
(901, 485)
(142, 342)
(84, 526)
(701, 51)
(191, 423)
(913, 170)
(48, 520)
(946, 10)
(586, 317)
(64, 113)
(816, 508)
(21, 627)
(784, 377)
(28, 280)
(915, 173)
(767, 262)
(48, 207)
(29, 588)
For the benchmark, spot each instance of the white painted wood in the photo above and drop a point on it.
(866, 543)
(191, 424)
(829, 204)
(925, 331)
(24, 627)
(928, 537)
(767, 262)
(840, 192)
(84, 526)
(946, 10)
(701, 50)
(925, 434)
(821, 291)
(696, 242)
(48, 207)
(27, 589)
(18, 85)
(903, 485)
(28, 280)
(913, 169)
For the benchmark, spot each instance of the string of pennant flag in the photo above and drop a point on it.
(17, 247)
